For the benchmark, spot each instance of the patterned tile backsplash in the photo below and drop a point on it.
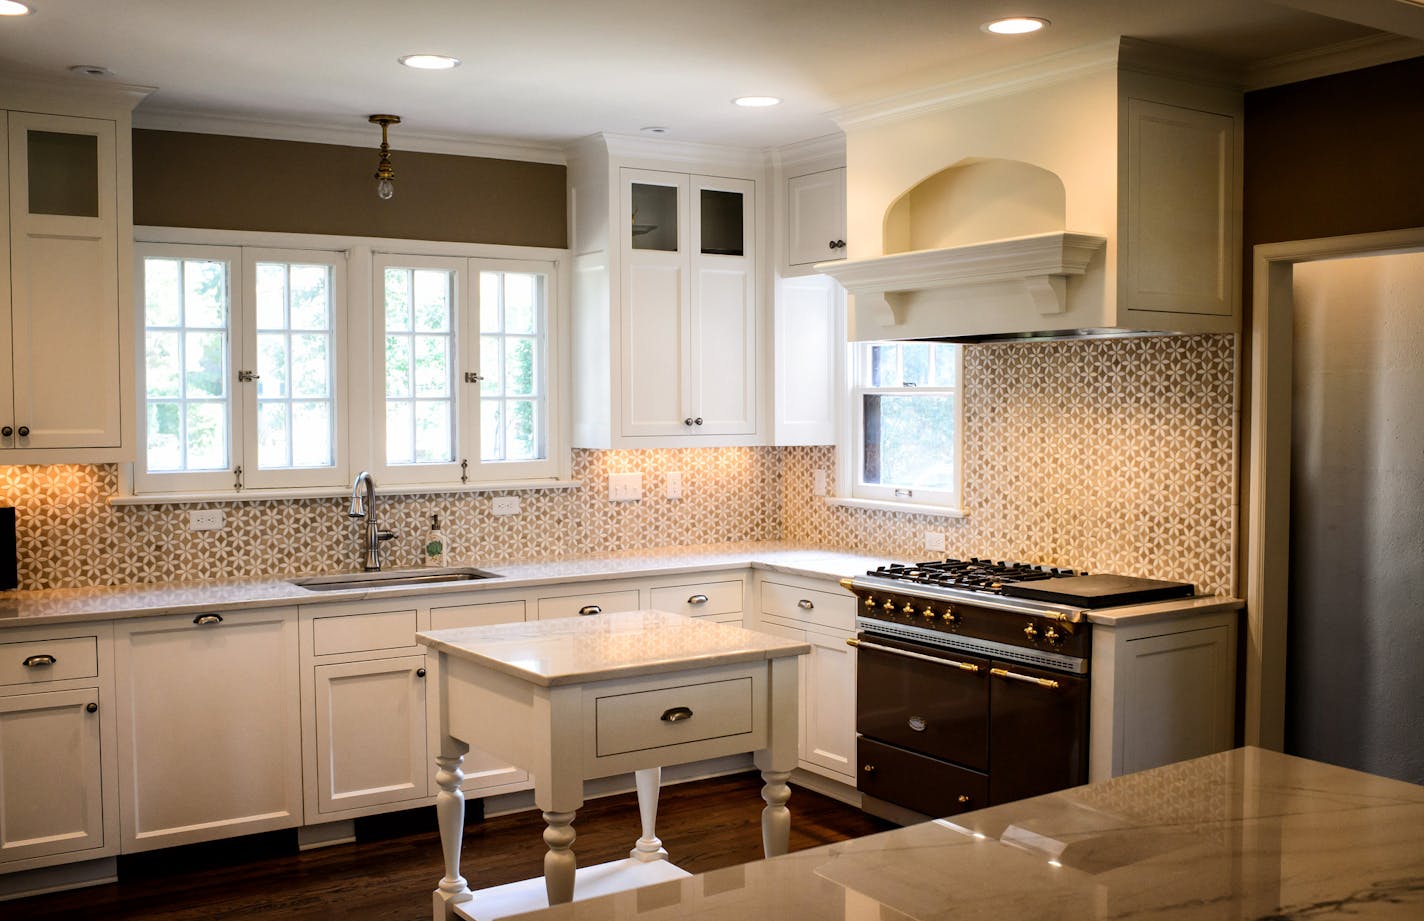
(1109, 455)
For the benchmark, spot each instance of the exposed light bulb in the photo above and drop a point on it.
(385, 189)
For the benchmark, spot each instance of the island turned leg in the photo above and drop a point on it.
(775, 818)
(450, 812)
(649, 847)
(559, 863)
(779, 757)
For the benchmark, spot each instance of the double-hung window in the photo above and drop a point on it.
(463, 370)
(241, 378)
(906, 435)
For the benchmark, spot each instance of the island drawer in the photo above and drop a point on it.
(362, 632)
(699, 599)
(810, 605)
(592, 602)
(661, 717)
(49, 660)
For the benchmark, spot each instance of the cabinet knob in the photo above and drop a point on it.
(204, 620)
(589, 610)
(869, 769)
(91, 708)
(7, 431)
(24, 431)
(420, 673)
(697, 599)
(40, 661)
(962, 798)
(687, 421)
(697, 421)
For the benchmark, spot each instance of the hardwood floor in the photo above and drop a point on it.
(388, 874)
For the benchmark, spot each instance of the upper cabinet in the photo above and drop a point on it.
(667, 345)
(66, 307)
(816, 217)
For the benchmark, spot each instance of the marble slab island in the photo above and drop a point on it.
(1244, 834)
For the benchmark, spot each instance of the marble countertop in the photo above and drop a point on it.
(626, 644)
(113, 602)
(1246, 834)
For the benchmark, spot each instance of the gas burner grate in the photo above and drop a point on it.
(975, 574)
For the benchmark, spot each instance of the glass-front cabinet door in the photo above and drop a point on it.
(63, 330)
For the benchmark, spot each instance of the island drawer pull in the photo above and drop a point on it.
(1028, 679)
(39, 661)
(676, 714)
(805, 604)
(589, 610)
(697, 599)
(203, 620)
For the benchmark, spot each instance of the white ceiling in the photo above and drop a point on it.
(549, 71)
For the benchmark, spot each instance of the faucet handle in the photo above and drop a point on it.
(386, 535)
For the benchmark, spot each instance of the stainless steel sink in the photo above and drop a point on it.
(355, 581)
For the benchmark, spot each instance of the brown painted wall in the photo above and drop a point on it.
(233, 183)
(1336, 155)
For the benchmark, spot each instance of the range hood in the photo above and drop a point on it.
(1093, 192)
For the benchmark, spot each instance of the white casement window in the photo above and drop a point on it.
(906, 438)
(462, 370)
(241, 372)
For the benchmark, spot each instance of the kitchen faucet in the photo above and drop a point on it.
(363, 504)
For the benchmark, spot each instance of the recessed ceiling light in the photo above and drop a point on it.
(91, 70)
(1015, 25)
(13, 8)
(757, 102)
(430, 61)
(654, 129)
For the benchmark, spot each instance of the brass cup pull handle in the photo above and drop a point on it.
(589, 610)
(1028, 679)
(676, 714)
(205, 620)
(697, 599)
(42, 660)
(805, 604)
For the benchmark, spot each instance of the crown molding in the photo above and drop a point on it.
(631, 147)
(827, 149)
(29, 91)
(1003, 81)
(1339, 58)
(344, 134)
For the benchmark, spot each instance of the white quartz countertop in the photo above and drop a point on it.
(113, 602)
(1246, 834)
(627, 644)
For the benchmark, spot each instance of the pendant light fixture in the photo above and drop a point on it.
(385, 174)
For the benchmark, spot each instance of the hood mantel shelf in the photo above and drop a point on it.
(1040, 263)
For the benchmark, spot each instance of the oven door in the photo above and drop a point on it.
(1038, 729)
(923, 699)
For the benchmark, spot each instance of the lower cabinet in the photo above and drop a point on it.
(370, 733)
(51, 788)
(209, 727)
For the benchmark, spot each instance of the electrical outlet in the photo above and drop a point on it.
(934, 540)
(506, 505)
(672, 484)
(818, 482)
(625, 487)
(208, 519)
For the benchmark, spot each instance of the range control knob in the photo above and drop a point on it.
(908, 610)
(949, 616)
(1031, 631)
(869, 601)
(1052, 636)
(889, 606)
(927, 612)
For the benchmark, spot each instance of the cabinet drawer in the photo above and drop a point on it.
(640, 721)
(362, 632)
(927, 785)
(476, 615)
(699, 598)
(809, 605)
(74, 657)
(573, 605)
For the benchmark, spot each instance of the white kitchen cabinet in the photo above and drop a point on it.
(668, 345)
(810, 358)
(66, 291)
(370, 733)
(1163, 692)
(824, 616)
(816, 217)
(209, 726)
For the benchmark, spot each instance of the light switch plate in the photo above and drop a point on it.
(208, 519)
(506, 505)
(934, 540)
(625, 487)
(818, 482)
(672, 484)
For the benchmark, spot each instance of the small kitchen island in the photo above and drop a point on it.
(580, 698)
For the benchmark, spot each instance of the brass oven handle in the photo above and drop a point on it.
(966, 666)
(676, 714)
(39, 660)
(697, 599)
(1041, 682)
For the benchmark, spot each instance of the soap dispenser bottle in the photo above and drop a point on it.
(435, 544)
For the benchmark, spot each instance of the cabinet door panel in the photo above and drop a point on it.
(808, 341)
(653, 336)
(830, 705)
(1176, 697)
(50, 793)
(815, 217)
(370, 733)
(209, 727)
(724, 346)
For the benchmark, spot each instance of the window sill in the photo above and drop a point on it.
(936, 511)
(340, 492)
